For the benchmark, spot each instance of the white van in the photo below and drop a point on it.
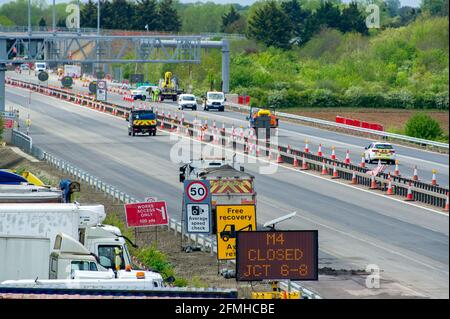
(39, 67)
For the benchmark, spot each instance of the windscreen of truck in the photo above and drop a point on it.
(215, 96)
(144, 116)
(40, 65)
(188, 98)
(107, 256)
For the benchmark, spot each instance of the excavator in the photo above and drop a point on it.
(168, 88)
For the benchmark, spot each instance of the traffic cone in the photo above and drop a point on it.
(415, 177)
(433, 179)
(333, 153)
(347, 157)
(390, 191)
(296, 161)
(335, 173)
(363, 161)
(396, 171)
(319, 152)
(409, 195)
(354, 180)
(306, 146)
(162, 121)
(324, 169)
(304, 164)
(373, 183)
(446, 203)
(279, 158)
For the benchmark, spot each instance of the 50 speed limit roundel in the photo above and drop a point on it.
(197, 191)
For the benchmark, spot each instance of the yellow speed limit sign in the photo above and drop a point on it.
(231, 219)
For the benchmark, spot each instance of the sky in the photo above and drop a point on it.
(413, 3)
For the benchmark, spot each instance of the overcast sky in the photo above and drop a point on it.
(414, 3)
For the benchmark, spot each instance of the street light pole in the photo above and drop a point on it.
(54, 17)
(98, 34)
(29, 17)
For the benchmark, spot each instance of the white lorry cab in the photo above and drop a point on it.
(39, 223)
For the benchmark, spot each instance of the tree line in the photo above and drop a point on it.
(150, 15)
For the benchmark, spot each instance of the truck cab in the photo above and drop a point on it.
(70, 255)
(142, 121)
(109, 245)
(214, 100)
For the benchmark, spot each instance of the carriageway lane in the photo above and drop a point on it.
(295, 134)
(356, 228)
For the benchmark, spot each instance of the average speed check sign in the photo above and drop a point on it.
(197, 191)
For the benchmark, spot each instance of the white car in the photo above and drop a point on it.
(142, 92)
(380, 151)
(187, 101)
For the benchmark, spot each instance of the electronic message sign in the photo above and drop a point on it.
(277, 255)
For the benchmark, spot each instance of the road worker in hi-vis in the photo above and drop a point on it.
(118, 257)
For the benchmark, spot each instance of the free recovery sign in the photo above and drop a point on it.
(230, 220)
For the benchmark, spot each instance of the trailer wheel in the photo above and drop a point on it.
(174, 98)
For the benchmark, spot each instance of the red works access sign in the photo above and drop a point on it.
(8, 123)
(146, 214)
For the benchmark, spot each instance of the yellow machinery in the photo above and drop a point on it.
(169, 88)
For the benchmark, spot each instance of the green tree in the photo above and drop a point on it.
(88, 15)
(422, 125)
(328, 15)
(4, 21)
(169, 19)
(42, 22)
(268, 25)
(352, 20)
(393, 7)
(146, 14)
(298, 18)
(229, 18)
(435, 7)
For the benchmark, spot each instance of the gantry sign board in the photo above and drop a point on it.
(277, 255)
(101, 93)
(197, 206)
(231, 220)
(146, 214)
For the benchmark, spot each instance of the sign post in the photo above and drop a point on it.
(101, 91)
(147, 214)
(230, 221)
(197, 201)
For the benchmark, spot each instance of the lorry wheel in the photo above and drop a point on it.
(194, 108)
(225, 238)
(162, 98)
(174, 98)
(154, 133)
(144, 98)
(129, 133)
(221, 109)
(134, 134)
